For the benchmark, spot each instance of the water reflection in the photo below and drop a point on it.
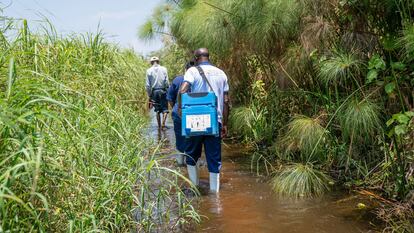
(165, 137)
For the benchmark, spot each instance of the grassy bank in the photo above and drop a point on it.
(74, 156)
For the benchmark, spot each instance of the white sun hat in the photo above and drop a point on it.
(154, 59)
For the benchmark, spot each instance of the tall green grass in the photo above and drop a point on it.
(73, 152)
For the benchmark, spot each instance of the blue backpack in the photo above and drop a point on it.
(199, 112)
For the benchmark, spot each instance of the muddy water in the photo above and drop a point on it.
(246, 203)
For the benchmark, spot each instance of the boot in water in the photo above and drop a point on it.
(193, 174)
(214, 182)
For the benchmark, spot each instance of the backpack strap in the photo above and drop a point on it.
(203, 75)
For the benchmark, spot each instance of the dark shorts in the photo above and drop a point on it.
(179, 139)
(212, 148)
(159, 97)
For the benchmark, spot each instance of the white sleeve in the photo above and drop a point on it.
(189, 77)
(226, 84)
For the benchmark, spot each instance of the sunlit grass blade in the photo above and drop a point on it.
(11, 77)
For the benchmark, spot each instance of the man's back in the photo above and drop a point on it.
(157, 78)
(216, 77)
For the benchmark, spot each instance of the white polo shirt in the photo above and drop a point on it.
(217, 79)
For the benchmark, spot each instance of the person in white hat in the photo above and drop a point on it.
(156, 86)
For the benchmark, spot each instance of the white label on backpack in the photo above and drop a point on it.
(198, 123)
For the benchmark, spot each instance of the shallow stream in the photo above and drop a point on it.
(246, 203)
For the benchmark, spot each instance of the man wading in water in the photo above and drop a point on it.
(212, 145)
(156, 85)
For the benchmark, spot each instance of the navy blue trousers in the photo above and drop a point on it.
(212, 149)
(179, 139)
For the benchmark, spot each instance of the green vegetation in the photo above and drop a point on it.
(300, 180)
(327, 84)
(74, 157)
(305, 134)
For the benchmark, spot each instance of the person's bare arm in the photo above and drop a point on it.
(183, 89)
(226, 112)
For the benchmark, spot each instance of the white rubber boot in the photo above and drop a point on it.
(193, 174)
(214, 182)
(180, 159)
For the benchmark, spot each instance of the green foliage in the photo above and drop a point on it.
(307, 136)
(156, 26)
(390, 87)
(241, 120)
(360, 120)
(350, 60)
(174, 58)
(301, 180)
(201, 25)
(296, 62)
(73, 152)
(222, 25)
(375, 65)
(400, 122)
(249, 123)
(407, 41)
(146, 31)
(342, 68)
(376, 62)
(263, 23)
